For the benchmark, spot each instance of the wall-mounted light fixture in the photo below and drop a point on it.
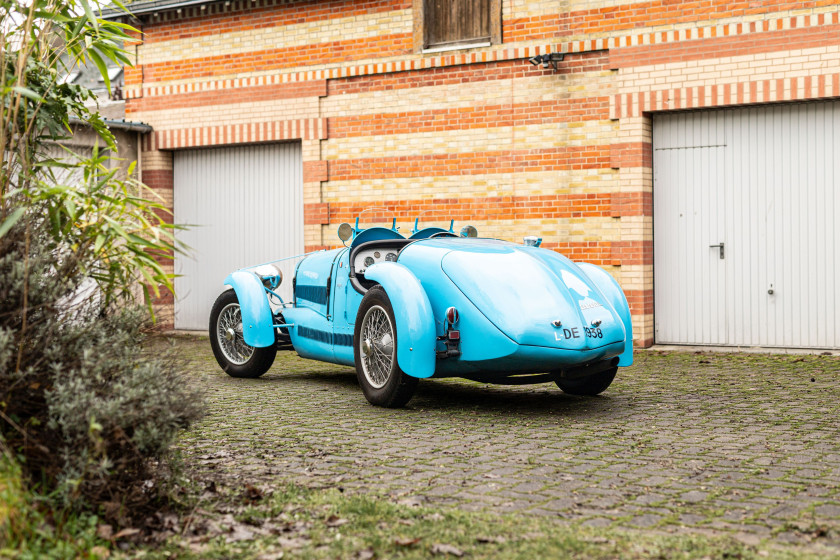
(546, 59)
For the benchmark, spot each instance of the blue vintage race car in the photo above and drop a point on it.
(435, 304)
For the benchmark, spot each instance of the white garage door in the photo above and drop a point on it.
(746, 239)
(245, 205)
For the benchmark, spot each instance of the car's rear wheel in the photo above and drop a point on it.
(375, 351)
(235, 357)
(587, 385)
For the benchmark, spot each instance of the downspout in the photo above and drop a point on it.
(140, 156)
(142, 81)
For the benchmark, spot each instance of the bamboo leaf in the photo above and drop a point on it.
(11, 220)
(120, 5)
(100, 64)
(150, 281)
(116, 226)
(71, 209)
(90, 15)
(121, 57)
(28, 93)
(147, 297)
(139, 240)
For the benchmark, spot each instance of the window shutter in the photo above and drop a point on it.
(456, 21)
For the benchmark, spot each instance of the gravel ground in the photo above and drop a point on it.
(743, 444)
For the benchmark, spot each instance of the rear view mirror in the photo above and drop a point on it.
(345, 231)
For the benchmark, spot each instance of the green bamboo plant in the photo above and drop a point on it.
(115, 228)
(88, 410)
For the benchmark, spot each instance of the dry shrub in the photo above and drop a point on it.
(84, 407)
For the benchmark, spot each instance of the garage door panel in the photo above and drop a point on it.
(691, 286)
(244, 206)
(746, 255)
(832, 215)
(802, 259)
(778, 201)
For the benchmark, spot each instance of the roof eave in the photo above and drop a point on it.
(144, 8)
(119, 125)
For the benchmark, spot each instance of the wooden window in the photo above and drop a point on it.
(445, 23)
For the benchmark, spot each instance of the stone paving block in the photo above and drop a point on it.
(560, 504)
(605, 502)
(598, 522)
(646, 520)
(649, 498)
(528, 487)
(694, 496)
(540, 512)
(655, 480)
(514, 507)
(828, 510)
(746, 445)
(688, 519)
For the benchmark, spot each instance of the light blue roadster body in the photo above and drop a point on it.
(431, 305)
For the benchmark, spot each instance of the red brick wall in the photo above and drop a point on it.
(477, 135)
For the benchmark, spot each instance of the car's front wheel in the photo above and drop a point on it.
(237, 358)
(588, 385)
(375, 351)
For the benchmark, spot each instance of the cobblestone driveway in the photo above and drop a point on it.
(741, 443)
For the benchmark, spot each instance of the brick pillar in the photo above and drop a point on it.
(632, 155)
(316, 214)
(157, 174)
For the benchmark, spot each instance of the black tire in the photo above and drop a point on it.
(587, 386)
(254, 365)
(382, 380)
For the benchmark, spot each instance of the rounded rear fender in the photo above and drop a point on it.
(413, 312)
(615, 295)
(257, 320)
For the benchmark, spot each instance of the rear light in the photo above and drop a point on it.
(452, 316)
(451, 337)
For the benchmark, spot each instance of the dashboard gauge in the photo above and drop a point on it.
(391, 257)
(369, 261)
(376, 254)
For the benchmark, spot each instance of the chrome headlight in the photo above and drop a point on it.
(270, 274)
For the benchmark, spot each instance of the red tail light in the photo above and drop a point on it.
(452, 316)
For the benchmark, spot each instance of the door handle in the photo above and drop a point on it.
(719, 246)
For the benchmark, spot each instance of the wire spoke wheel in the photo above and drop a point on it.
(235, 356)
(375, 340)
(230, 337)
(378, 352)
